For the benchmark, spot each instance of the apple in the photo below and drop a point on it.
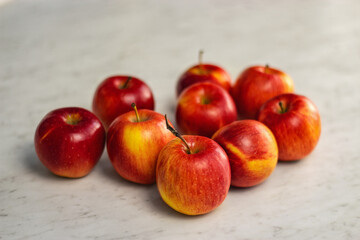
(295, 123)
(115, 94)
(203, 108)
(70, 141)
(203, 73)
(252, 151)
(134, 141)
(256, 85)
(193, 174)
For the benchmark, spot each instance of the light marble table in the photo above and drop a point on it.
(54, 54)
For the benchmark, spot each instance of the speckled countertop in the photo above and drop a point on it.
(54, 54)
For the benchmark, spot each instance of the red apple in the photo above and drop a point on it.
(295, 122)
(252, 151)
(203, 108)
(193, 175)
(115, 94)
(203, 73)
(134, 142)
(256, 85)
(70, 141)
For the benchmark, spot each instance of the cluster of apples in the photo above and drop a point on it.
(234, 134)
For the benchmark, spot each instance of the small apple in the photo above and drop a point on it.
(203, 73)
(70, 141)
(256, 85)
(134, 141)
(295, 123)
(252, 151)
(193, 174)
(115, 94)
(203, 108)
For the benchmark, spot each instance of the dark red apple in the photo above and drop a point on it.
(203, 108)
(115, 95)
(70, 141)
(295, 122)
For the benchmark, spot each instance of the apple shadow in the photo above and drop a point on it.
(245, 189)
(290, 162)
(248, 189)
(32, 162)
(154, 200)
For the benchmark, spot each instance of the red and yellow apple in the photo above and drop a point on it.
(134, 142)
(295, 123)
(115, 95)
(203, 108)
(193, 179)
(256, 85)
(70, 141)
(252, 151)
(203, 73)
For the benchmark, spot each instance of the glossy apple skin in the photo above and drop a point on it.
(111, 99)
(133, 147)
(196, 183)
(297, 131)
(203, 108)
(256, 85)
(252, 151)
(69, 150)
(204, 73)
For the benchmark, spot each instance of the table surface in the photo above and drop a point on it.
(54, 54)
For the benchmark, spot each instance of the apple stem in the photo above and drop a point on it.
(282, 109)
(177, 134)
(127, 82)
(133, 105)
(201, 52)
(266, 68)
